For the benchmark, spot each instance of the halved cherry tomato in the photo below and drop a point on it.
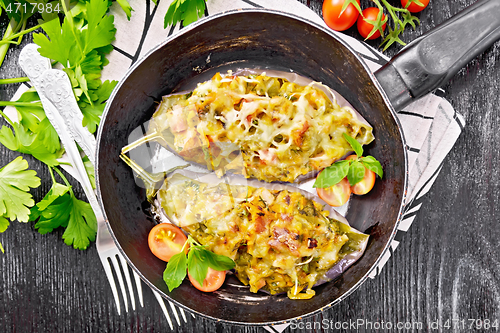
(332, 17)
(413, 7)
(166, 240)
(336, 195)
(364, 27)
(366, 184)
(212, 282)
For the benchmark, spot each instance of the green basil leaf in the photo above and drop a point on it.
(372, 164)
(218, 262)
(197, 264)
(332, 175)
(356, 172)
(358, 149)
(175, 272)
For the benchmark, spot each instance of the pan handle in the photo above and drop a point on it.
(432, 59)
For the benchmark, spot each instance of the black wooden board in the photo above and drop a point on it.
(443, 277)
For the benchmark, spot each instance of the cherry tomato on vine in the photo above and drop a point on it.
(414, 7)
(212, 282)
(332, 17)
(336, 195)
(166, 240)
(364, 27)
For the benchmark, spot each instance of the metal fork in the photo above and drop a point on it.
(61, 108)
(109, 254)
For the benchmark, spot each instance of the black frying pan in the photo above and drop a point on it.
(268, 39)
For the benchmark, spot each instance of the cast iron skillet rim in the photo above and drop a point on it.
(377, 85)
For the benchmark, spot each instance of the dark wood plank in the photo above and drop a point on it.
(447, 266)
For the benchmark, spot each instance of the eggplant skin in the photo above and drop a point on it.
(279, 237)
(263, 127)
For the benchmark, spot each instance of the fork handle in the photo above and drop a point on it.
(58, 90)
(38, 69)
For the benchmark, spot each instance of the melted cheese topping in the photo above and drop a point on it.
(262, 127)
(281, 241)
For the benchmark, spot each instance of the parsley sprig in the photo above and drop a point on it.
(353, 169)
(187, 11)
(33, 134)
(197, 262)
(61, 208)
(80, 44)
(15, 199)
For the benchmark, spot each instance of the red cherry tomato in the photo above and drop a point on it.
(364, 27)
(413, 7)
(336, 195)
(366, 184)
(212, 282)
(332, 17)
(166, 240)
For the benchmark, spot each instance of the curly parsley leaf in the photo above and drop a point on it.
(92, 112)
(187, 11)
(30, 109)
(60, 208)
(32, 118)
(59, 43)
(15, 183)
(49, 136)
(82, 225)
(100, 29)
(81, 44)
(27, 142)
(4, 224)
(69, 43)
(126, 8)
(89, 167)
(52, 211)
(1, 248)
(63, 209)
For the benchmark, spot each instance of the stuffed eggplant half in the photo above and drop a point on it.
(271, 126)
(281, 238)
